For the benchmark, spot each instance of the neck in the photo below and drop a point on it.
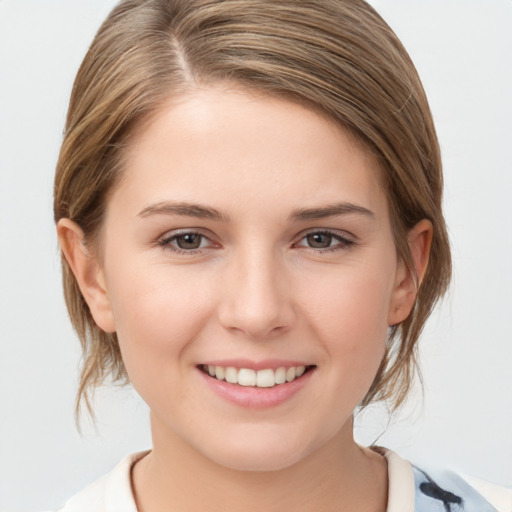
(340, 476)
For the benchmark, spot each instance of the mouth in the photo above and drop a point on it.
(264, 378)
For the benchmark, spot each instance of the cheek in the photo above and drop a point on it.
(157, 316)
(351, 308)
(349, 317)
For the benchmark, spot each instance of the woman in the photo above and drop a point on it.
(248, 201)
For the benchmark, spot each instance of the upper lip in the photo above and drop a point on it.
(273, 364)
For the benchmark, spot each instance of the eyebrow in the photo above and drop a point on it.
(333, 210)
(205, 212)
(184, 209)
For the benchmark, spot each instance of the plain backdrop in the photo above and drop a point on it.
(462, 49)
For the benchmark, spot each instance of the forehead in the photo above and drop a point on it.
(223, 140)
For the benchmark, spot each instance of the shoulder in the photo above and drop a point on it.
(111, 493)
(451, 491)
(501, 496)
(430, 490)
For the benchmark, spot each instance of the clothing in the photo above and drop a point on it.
(410, 490)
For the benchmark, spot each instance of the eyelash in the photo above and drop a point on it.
(167, 241)
(343, 242)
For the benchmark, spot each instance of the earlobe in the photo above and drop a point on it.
(88, 273)
(408, 281)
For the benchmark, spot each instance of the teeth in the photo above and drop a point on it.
(262, 378)
(219, 372)
(280, 376)
(265, 379)
(290, 374)
(246, 377)
(231, 375)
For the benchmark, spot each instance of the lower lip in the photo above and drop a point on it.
(253, 397)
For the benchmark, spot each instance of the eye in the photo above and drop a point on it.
(325, 240)
(189, 241)
(319, 240)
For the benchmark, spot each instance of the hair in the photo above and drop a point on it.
(336, 56)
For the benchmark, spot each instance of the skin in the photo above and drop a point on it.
(257, 288)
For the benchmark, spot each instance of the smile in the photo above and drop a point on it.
(265, 378)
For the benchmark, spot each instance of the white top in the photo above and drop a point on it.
(113, 492)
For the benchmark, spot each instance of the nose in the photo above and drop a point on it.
(256, 297)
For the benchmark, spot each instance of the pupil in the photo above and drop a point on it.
(319, 240)
(189, 241)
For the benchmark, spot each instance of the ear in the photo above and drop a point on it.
(407, 282)
(87, 271)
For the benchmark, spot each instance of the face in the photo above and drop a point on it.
(248, 243)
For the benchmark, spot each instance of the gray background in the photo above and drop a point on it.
(462, 49)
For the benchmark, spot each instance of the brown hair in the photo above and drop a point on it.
(337, 56)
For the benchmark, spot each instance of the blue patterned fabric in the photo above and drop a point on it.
(445, 491)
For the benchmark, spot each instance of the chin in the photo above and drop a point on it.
(265, 452)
